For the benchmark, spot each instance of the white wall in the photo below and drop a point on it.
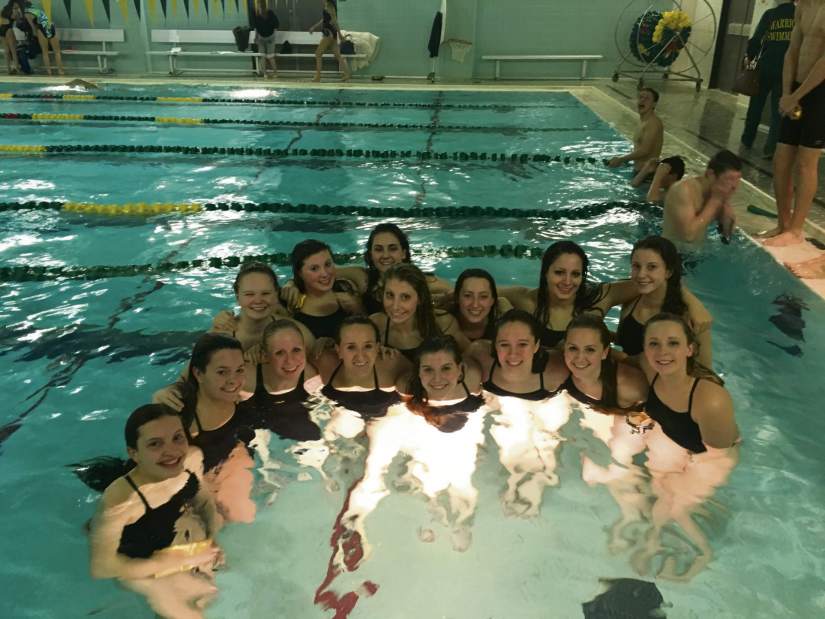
(702, 41)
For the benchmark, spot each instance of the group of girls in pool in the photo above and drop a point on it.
(389, 337)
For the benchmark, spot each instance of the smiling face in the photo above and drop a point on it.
(257, 295)
(584, 353)
(161, 448)
(439, 374)
(386, 250)
(648, 270)
(400, 301)
(564, 277)
(223, 377)
(286, 354)
(357, 349)
(666, 348)
(318, 272)
(475, 300)
(515, 346)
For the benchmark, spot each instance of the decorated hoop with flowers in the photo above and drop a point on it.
(659, 37)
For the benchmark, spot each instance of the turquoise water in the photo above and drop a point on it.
(78, 356)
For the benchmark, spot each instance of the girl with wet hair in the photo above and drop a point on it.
(218, 424)
(656, 271)
(514, 364)
(595, 378)
(324, 300)
(256, 292)
(442, 387)
(476, 304)
(564, 292)
(409, 318)
(154, 526)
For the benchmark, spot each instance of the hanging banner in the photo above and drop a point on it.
(153, 9)
(174, 8)
(90, 11)
(137, 7)
(163, 8)
(186, 7)
(205, 7)
(124, 9)
(196, 7)
(47, 9)
(237, 7)
(108, 9)
(67, 4)
(222, 4)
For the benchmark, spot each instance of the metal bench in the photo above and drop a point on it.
(87, 35)
(176, 38)
(583, 58)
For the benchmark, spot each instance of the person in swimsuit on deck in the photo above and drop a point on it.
(330, 39)
(693, 446)
(656, 270)
(154, 527)
(325, 299)
(409, 318)
(476, 304)
(564, 292)
(9, 41)
(34, 23)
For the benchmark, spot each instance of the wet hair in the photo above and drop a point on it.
(653, 93)
(586, 296)
(255, 267)
(99, 472)
(278, 325)
(694, 368)
(358, 319)
(516, 315)
(609, 371)
(140, 417)
(677, 166)
(673, 303)
(373, 276)
(418, 401)
(492, 317)
(424, 315)
(724, 161)
(206, 346)
(300, 253)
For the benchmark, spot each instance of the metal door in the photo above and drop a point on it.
(732, 42)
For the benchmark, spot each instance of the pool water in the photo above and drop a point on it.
(80, 354)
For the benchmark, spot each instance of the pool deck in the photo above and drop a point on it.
(697, 125)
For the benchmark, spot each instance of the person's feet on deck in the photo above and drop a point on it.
(809, 269)
(785, 239)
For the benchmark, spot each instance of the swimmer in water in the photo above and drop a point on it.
(154, 527)
(476, 304)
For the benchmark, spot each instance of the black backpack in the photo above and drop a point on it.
(286, 47)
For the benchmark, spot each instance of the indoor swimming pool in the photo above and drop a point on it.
(83, 350)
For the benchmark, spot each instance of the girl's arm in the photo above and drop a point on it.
(713, 411)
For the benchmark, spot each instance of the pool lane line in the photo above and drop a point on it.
(29, 273)
(40, 117)
(146, 209)
(326, 153)
(275, 101)
(421, 194)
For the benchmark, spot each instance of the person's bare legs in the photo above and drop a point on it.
(58, 59)
(342, 62)
(813, 268)
(783, 166)
(319, 56)
(11, 52)
(807, 160)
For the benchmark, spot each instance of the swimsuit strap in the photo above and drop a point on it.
(197, 421)
(690, 398)
(541, 380)
(466, 391)
(375, 377)
(633, 307)
(139, 493)
(387, 333)
(655, 378)
(259, 378)
(334, 374)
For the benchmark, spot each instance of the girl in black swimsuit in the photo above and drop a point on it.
(331, 32)
(596, 379)
(325, 301)
(358, 376)
(408, 317)
(220, 426)
(656, 270)
(154, 527)
(564, 292)
(476, 304)
(279, 398)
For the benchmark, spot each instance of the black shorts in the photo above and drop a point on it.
(809, 130)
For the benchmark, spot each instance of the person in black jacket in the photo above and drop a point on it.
(769, 43)
(265, 23)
